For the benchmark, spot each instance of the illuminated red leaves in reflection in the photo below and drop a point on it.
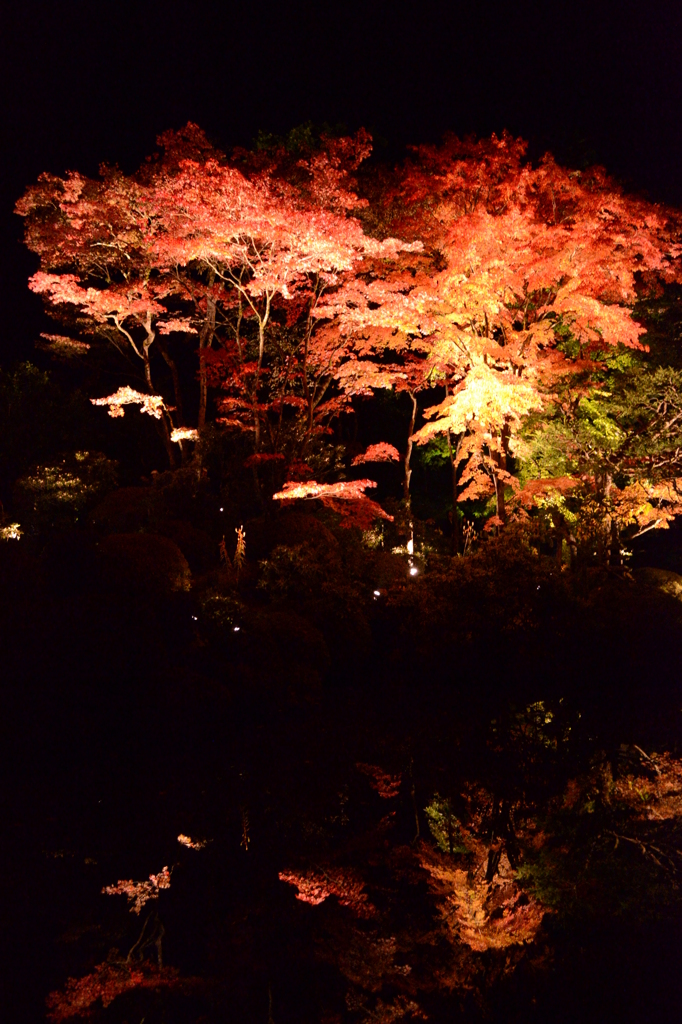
(315, 887)
(139, 893)
(381, 452)
(105, 983)
(387, 786)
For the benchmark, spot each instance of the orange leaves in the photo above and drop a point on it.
(470, 270)
(192, 844)
(483, 915)
(347, 498)
(181, 325)
(213, 213)
(488, 397)
(364, 376)
(387, 786)
(139, 893)
(381, 452)
(315, 887)
(207, 232)
(646, 505)
(593, 321)
(345, 490)
(655, 794)
(261, 458)
(533, 489)
(108, 981)
(116, 302)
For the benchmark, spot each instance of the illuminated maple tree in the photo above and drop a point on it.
(199, 245)
(150, 404)
(521, 259)
(467, 276)
(98, 268)
(347, 498)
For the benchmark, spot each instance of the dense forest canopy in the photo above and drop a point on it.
(498, 296)
(356, 698)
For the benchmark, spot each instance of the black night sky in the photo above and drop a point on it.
(590, 81)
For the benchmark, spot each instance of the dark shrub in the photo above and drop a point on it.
(145, 562)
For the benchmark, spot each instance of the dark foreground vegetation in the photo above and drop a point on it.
(468, 775)
(276, 751)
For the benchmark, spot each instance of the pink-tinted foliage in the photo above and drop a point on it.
(150, 404)
(387, 786)
(315, 887)
(345, 490)
(347, 498)
(192, 844)
(104, 984)
(139, 893)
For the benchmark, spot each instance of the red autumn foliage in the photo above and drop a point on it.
(347, 498)
(463, 270)
(139, 893)
(210, 234)
(387, 786)
(261, 458)
(105, 983)
(315, 887)
(381, 452)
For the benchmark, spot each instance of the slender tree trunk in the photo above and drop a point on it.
(453, 468)
(177, 392)
(493, 851)
(408, 453)
(573, 547)
(262, 324)
(500, 507)
(205, 339)
(613, 539)
(453, 453)
(610, 531)
(309, 396)
(175, 376)
(163, 422)
(501, 463)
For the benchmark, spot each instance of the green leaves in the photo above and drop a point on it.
(444, 826)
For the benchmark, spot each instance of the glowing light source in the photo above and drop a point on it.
(414, 570)
(377, 593)
(236, 629)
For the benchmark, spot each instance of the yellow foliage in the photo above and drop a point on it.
(491, 398)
